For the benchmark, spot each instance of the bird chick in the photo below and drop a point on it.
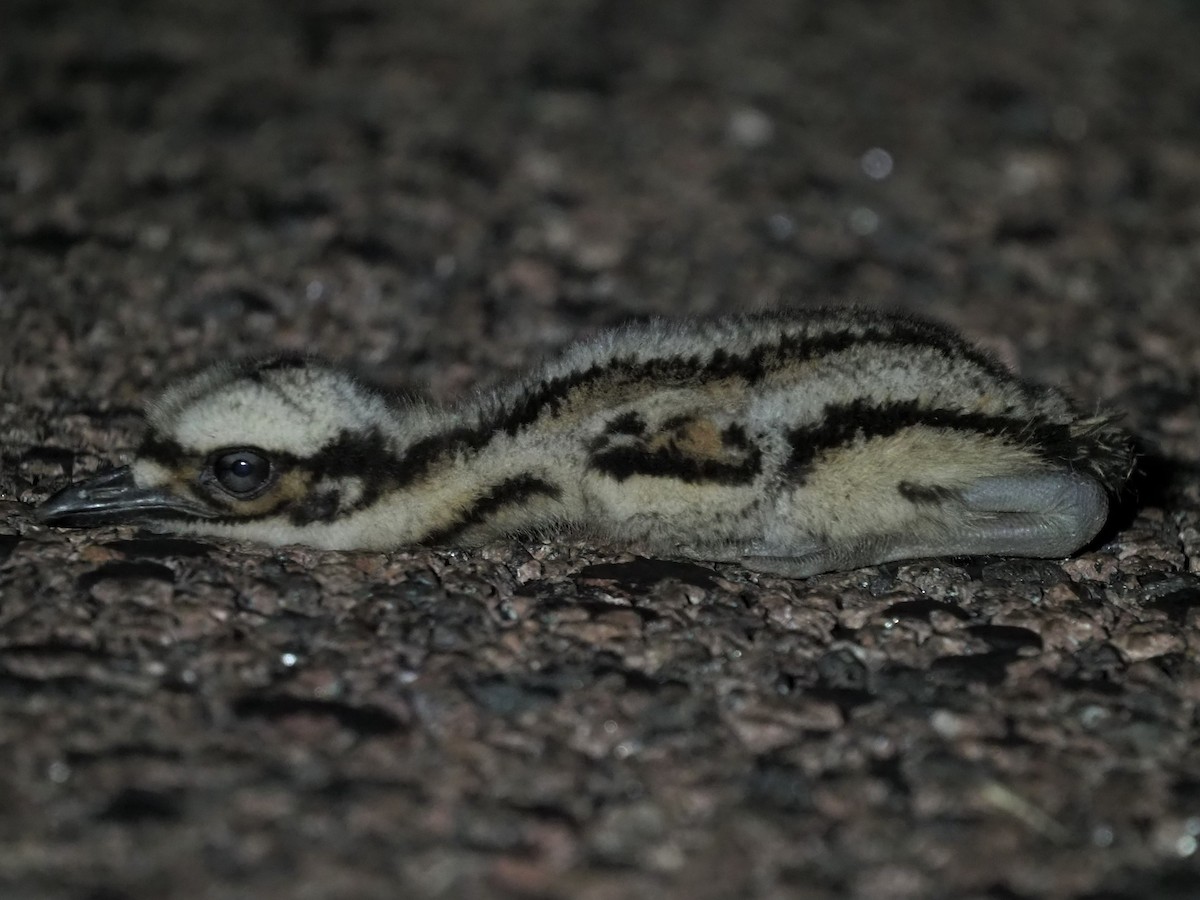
(794, 443)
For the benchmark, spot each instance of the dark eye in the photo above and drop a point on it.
(242, 472)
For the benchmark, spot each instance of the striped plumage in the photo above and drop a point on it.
(795, 442)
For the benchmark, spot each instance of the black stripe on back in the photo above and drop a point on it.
(844, 424)
(735, 435)
(548, 397)
(627, 423)
(511, 491)
(668, 462)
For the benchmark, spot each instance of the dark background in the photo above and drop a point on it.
(440, 192)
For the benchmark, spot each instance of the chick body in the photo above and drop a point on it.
(793, 442)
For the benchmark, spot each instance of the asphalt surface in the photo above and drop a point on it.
(441, 193)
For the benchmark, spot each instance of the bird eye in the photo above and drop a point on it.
(242, 472)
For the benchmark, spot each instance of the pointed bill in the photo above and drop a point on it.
(113, 497)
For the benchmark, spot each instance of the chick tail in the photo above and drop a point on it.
(1104, 450)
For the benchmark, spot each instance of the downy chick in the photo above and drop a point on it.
(795, 443)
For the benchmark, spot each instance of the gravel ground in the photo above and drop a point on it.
(442, 192)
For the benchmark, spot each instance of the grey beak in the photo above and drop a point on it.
(112, 497)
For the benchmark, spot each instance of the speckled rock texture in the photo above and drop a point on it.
(441, 192)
